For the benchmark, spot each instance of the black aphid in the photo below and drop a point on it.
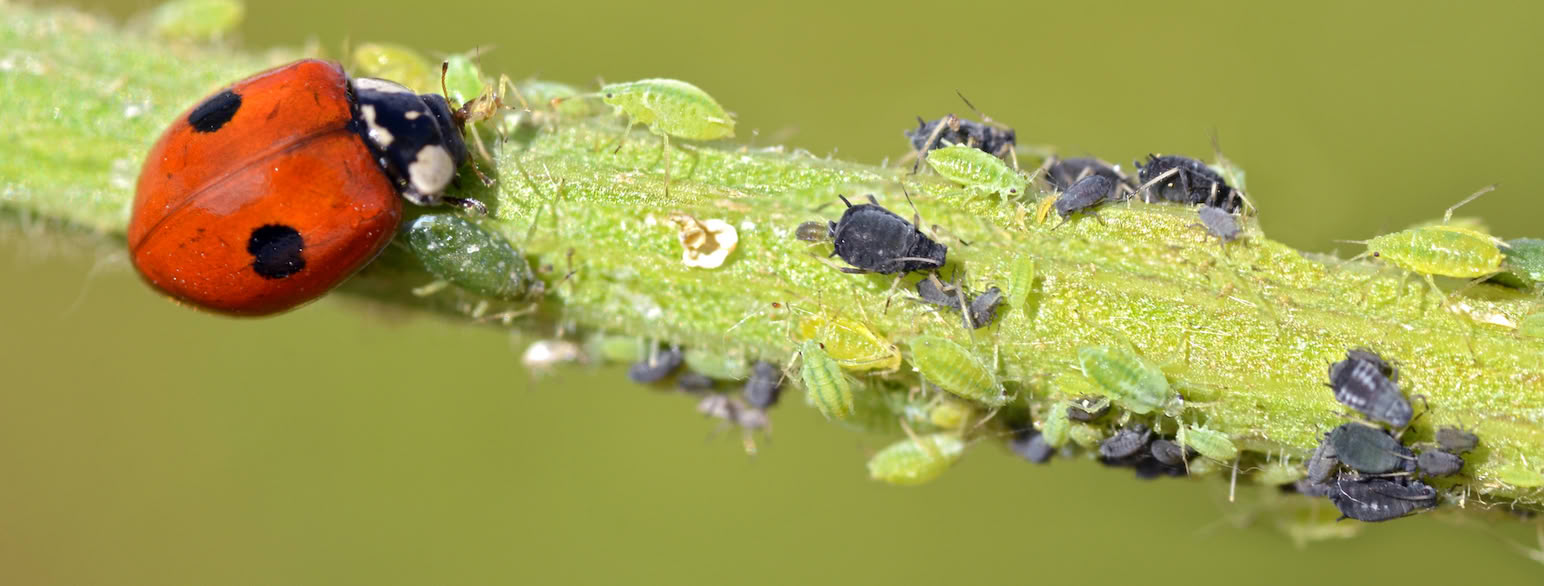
(1323, 465)
(1439, 463)
(983, 309)
(875, 240)
(1367, 449)
(765, 385)
(655, 369)
(1218, 222)
(1362, 385)
(693, 382)
(1310, 488)
(952, 129)
(1376, 499)
(939, 293)
(1086, 409)
(1456, 440)
(1149, 468)
(1062, 173)
(1388, 370)
(1030, 445)
(1170, 453)
(1088, 192)
(1185, 180)
(1126, 443)
(812, 232)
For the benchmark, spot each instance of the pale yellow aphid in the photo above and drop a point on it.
(916, 460)
(850, 343)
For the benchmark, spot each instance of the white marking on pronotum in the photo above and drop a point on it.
(378, 134)
(432, 170)
(380, 85)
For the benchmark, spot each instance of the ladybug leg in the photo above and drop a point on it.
(468, 204)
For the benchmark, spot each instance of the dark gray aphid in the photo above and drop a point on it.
(1456, 440)
(1219, 223)
(1308, 487)
(1439, 463)
(1323, 465)
(1030, 445)
(1375, 499)
(939, 293)
(983, 309)
(658, 367)
(1367, 449)
(1088, 192)
(693, 382)
(956, 130)
(1062, 173)
(1087, 408)
(1126, 443)
(1185, 180)
(1148, 468)
(812, 232)
(875, 240)
(1361, 385)
(765, 385)
(1169, 453)
(1364, 354)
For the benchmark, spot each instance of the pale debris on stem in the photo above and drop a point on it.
(707, 243)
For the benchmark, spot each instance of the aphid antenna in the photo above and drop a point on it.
(1483, 190)
(1013, 154)
(1154, 181)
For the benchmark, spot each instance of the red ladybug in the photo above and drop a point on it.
(271, 192)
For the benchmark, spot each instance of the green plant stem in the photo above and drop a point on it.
(1245, 330)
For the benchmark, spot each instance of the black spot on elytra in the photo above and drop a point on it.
(215, 111)
(275, 250)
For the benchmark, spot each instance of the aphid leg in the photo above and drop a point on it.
(1233, 483)
(932, 139)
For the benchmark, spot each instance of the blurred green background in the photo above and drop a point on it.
(141, 443)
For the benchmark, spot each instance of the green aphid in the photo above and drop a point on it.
(825, 386)
(1519, 474)
(914, 461)
(1212, 444)
(957, 370)
(1442, 250)
(717, 364)
(1129, 380)
(1524, 264)
(398, 63)
(977, 170)
(463, 254)
(196, 20)
(1056, 426)
(669, 107)
(1021, 281)
(1086, 436)
(463, 78)
(616, 349)
(1279, 473)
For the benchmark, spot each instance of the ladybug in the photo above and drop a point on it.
(272, 191)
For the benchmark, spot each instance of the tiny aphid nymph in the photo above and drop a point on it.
(1210, 443)
(916, 460)
(826, 387)
(957, 370)
(1131, 381)
(978, 171)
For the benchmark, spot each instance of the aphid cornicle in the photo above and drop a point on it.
(1364, 384)
(875, 240)
(977, 171)
(1131, 381)
(824, 384)
(669, 107)
(1368, 449)
(918, 460)
(1376, 499)
(1185, 180)
(957, 370)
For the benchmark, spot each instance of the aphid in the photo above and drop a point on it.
(1031, 445)
(1212, 444)
(983, 308)
(1169, 453)
(936, 292)
(824, 384)
(1442, 249)
(1323, 465)
(463, 78)
(1524, 263)
(1219, 223)
(717, 363)
(656, 367)
(875, 240)
(734, 413)
(978, 171)
(1439, 463)
(916, 460)
(196, 20)
(1131, 381)
(542, 355)
(1060, 174)
(1308, 487)
(1376, 499)
(957, 370)
(1021, 281)
(669, 108)
(618, 349)
(1387, 370)
(988, 135)
(1279, 473)
(812, 232)
(851, 344)
(1088, 192)
(1056, 425)
(1361, 384)
(1368, 449)
(694, 382)
(764, 386)
(1087, 409)
(1519, 474)
(1086, 436)
(396, 62)
(1455, 440)
(1126, 442)
(1185, 180)
(459, 251)
(1149, 468)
